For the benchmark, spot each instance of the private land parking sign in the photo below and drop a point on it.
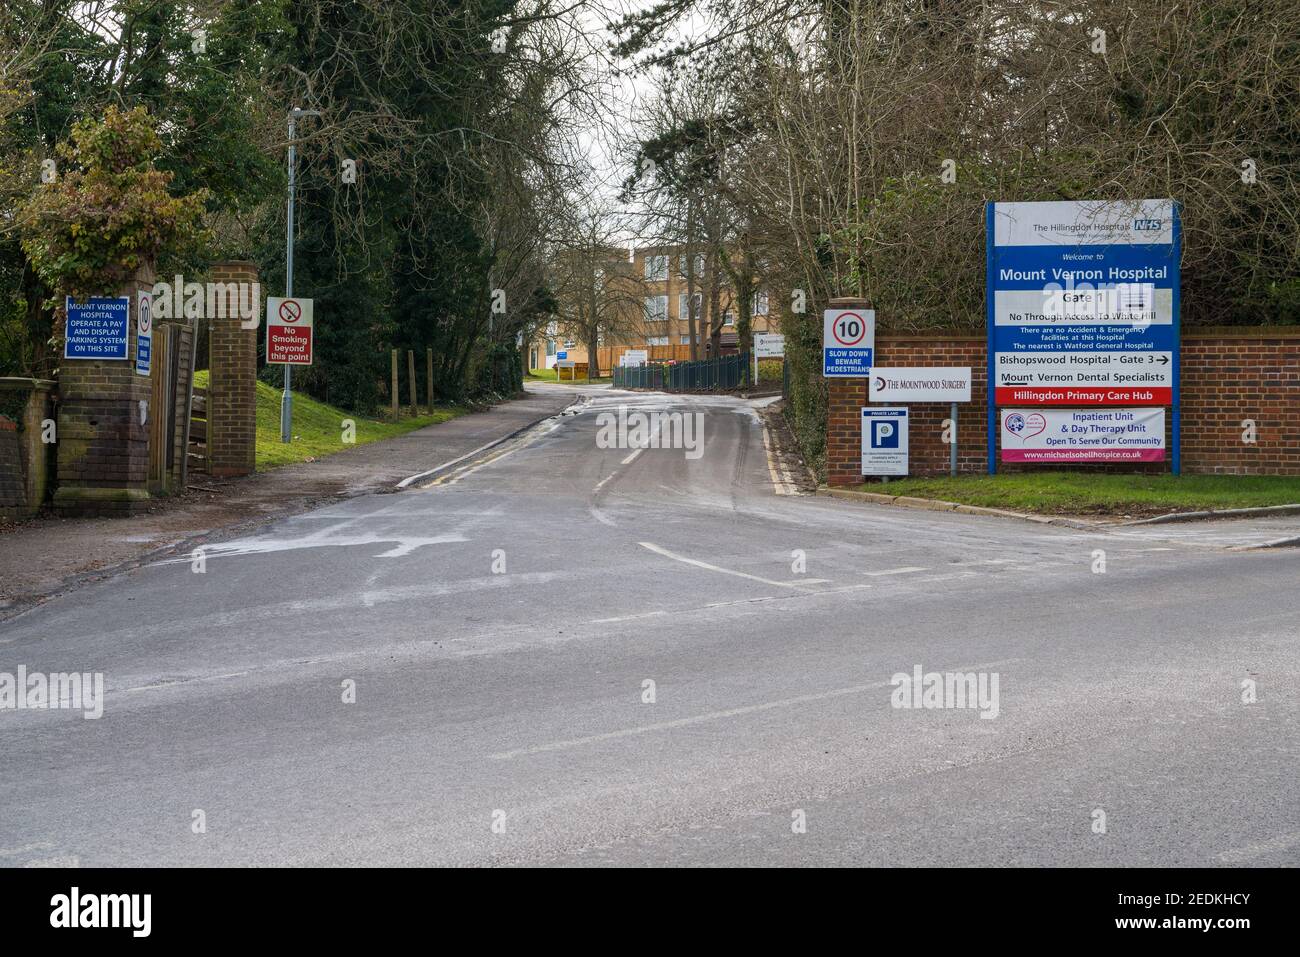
(884, 441)
(288, 331)
(848, 342)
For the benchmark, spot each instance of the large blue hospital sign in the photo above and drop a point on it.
(97, 329)
(1082, 302)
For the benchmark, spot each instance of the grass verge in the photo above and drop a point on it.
(549, 375)
(318, 427)
(1079, 493)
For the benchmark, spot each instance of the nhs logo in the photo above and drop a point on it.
(1148, 225)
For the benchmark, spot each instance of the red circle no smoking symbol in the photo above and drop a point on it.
(290, 310)
(849, 329)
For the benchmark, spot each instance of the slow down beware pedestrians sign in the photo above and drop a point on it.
(288, 331)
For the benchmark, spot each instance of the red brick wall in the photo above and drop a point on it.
(1228, 376)
(103, 446)
(232, 382)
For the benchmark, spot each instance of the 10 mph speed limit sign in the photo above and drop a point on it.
(288, 331)
(848, 342)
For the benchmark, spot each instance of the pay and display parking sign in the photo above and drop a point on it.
(884, 441)
(848, 342)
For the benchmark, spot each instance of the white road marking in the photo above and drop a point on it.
(25, 849)
(716, 716)
(906, 569)
(630, 458)
(776, 470)
(181, 681)
(801, 586)
(606, 621)
(265, 545)
(1239, 855)
(410, 479)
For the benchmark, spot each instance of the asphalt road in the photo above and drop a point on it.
(499, 621)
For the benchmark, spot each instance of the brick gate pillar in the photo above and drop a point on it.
(844, 402)
(232, 381)
(103, 430)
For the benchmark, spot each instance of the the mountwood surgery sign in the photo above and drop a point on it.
(1083, 302)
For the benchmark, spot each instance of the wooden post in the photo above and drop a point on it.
(392, 395)
(410, 374)
(428, 367)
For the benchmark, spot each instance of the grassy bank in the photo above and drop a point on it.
(549, 375)
(318, 427)
(1077, 493)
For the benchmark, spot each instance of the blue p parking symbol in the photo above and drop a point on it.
(884, 435)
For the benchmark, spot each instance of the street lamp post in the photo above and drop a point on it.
(286, 400)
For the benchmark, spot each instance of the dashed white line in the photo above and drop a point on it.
(715, 716)
(905, 570)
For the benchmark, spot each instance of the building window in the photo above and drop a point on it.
(569, 343)
(681, 305)
(686, 340)
(656, 308)
(657, 341)
(682, 264)
(656, 268)
(728, 318)
(760, 304)
(550, 347)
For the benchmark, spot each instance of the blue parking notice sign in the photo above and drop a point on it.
(97, 329)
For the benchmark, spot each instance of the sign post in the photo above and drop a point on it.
(952, 448)
(1082, 302)
(286, 400)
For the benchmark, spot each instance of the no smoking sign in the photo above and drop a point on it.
(288, 331)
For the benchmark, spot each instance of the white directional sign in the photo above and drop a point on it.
(884, 441)
(848, 342)
(769, 346)
(634, 357)
(937, 384)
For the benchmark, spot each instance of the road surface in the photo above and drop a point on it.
(500, 622)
